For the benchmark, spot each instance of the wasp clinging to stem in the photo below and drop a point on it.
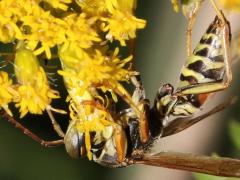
(129, 137)
(207, 70)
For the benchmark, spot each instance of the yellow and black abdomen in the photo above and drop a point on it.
(205, 65)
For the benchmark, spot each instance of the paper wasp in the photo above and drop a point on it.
(206, 71)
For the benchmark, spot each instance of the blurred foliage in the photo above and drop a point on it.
(234, 133)
(209, 177)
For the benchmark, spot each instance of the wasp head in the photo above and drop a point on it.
(164, 99)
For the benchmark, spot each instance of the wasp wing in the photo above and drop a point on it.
(218, 166)
(181, 123)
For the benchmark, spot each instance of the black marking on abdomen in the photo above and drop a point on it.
(200, 67)
(212, 29)
(190, 79)
(215, 74)
(206, 53)
(214, 26)
(203, 52)
(218, 58)
(197, 66)
(206, 41)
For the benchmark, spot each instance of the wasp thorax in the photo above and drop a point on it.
(75, 141)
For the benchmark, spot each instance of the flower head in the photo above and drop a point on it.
(42, 28)
(80, 33)
(35, 95)
(89, 119)
(175, 5)
(83, 71)
(122, 26)
(63, 4)
(7, 92)
(231, 5)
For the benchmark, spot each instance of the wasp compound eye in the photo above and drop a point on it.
(166, 89)
(163, 99)
(75, 142)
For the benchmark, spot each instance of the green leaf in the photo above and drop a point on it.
(234, 132)
(198, 176)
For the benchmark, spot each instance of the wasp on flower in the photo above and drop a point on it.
(91, 69)
(87, 37)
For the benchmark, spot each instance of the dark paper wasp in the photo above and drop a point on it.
(207, 70)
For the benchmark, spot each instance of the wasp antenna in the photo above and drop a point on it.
(55, 124)
(29, 133)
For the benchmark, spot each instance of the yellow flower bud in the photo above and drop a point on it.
(26, 66)
(35, 94)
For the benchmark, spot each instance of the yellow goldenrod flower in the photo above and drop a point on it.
(116, 16)
(79, 29)
(85, 71)
(8, 28)
(82, 33)
(7, 92)
(62, 4)
(175, 5)
(35, 95)
(127, 5)
(83, 74)
(188, 6)
(42, 30)
(122, 26)
(96, 7)
(231, 5)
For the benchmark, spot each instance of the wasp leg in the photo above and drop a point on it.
(120, 90)
(179, 124)
(139, 98)
(95, 104)
(191, 18)
(143, 105)
(191, 14)
(56, 126)
(134, 104)
(142, 126)
(120, 138)
(143, 123)
(120, 142)
(29, 133)
(132, 49)
(139, 92)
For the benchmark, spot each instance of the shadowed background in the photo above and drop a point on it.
(160, 55)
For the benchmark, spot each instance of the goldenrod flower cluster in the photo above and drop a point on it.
(231, 5)
(88, 119)
(7, 92)
(81, 35)
(35, 95)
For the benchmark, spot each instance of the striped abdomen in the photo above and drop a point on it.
(205, 65)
